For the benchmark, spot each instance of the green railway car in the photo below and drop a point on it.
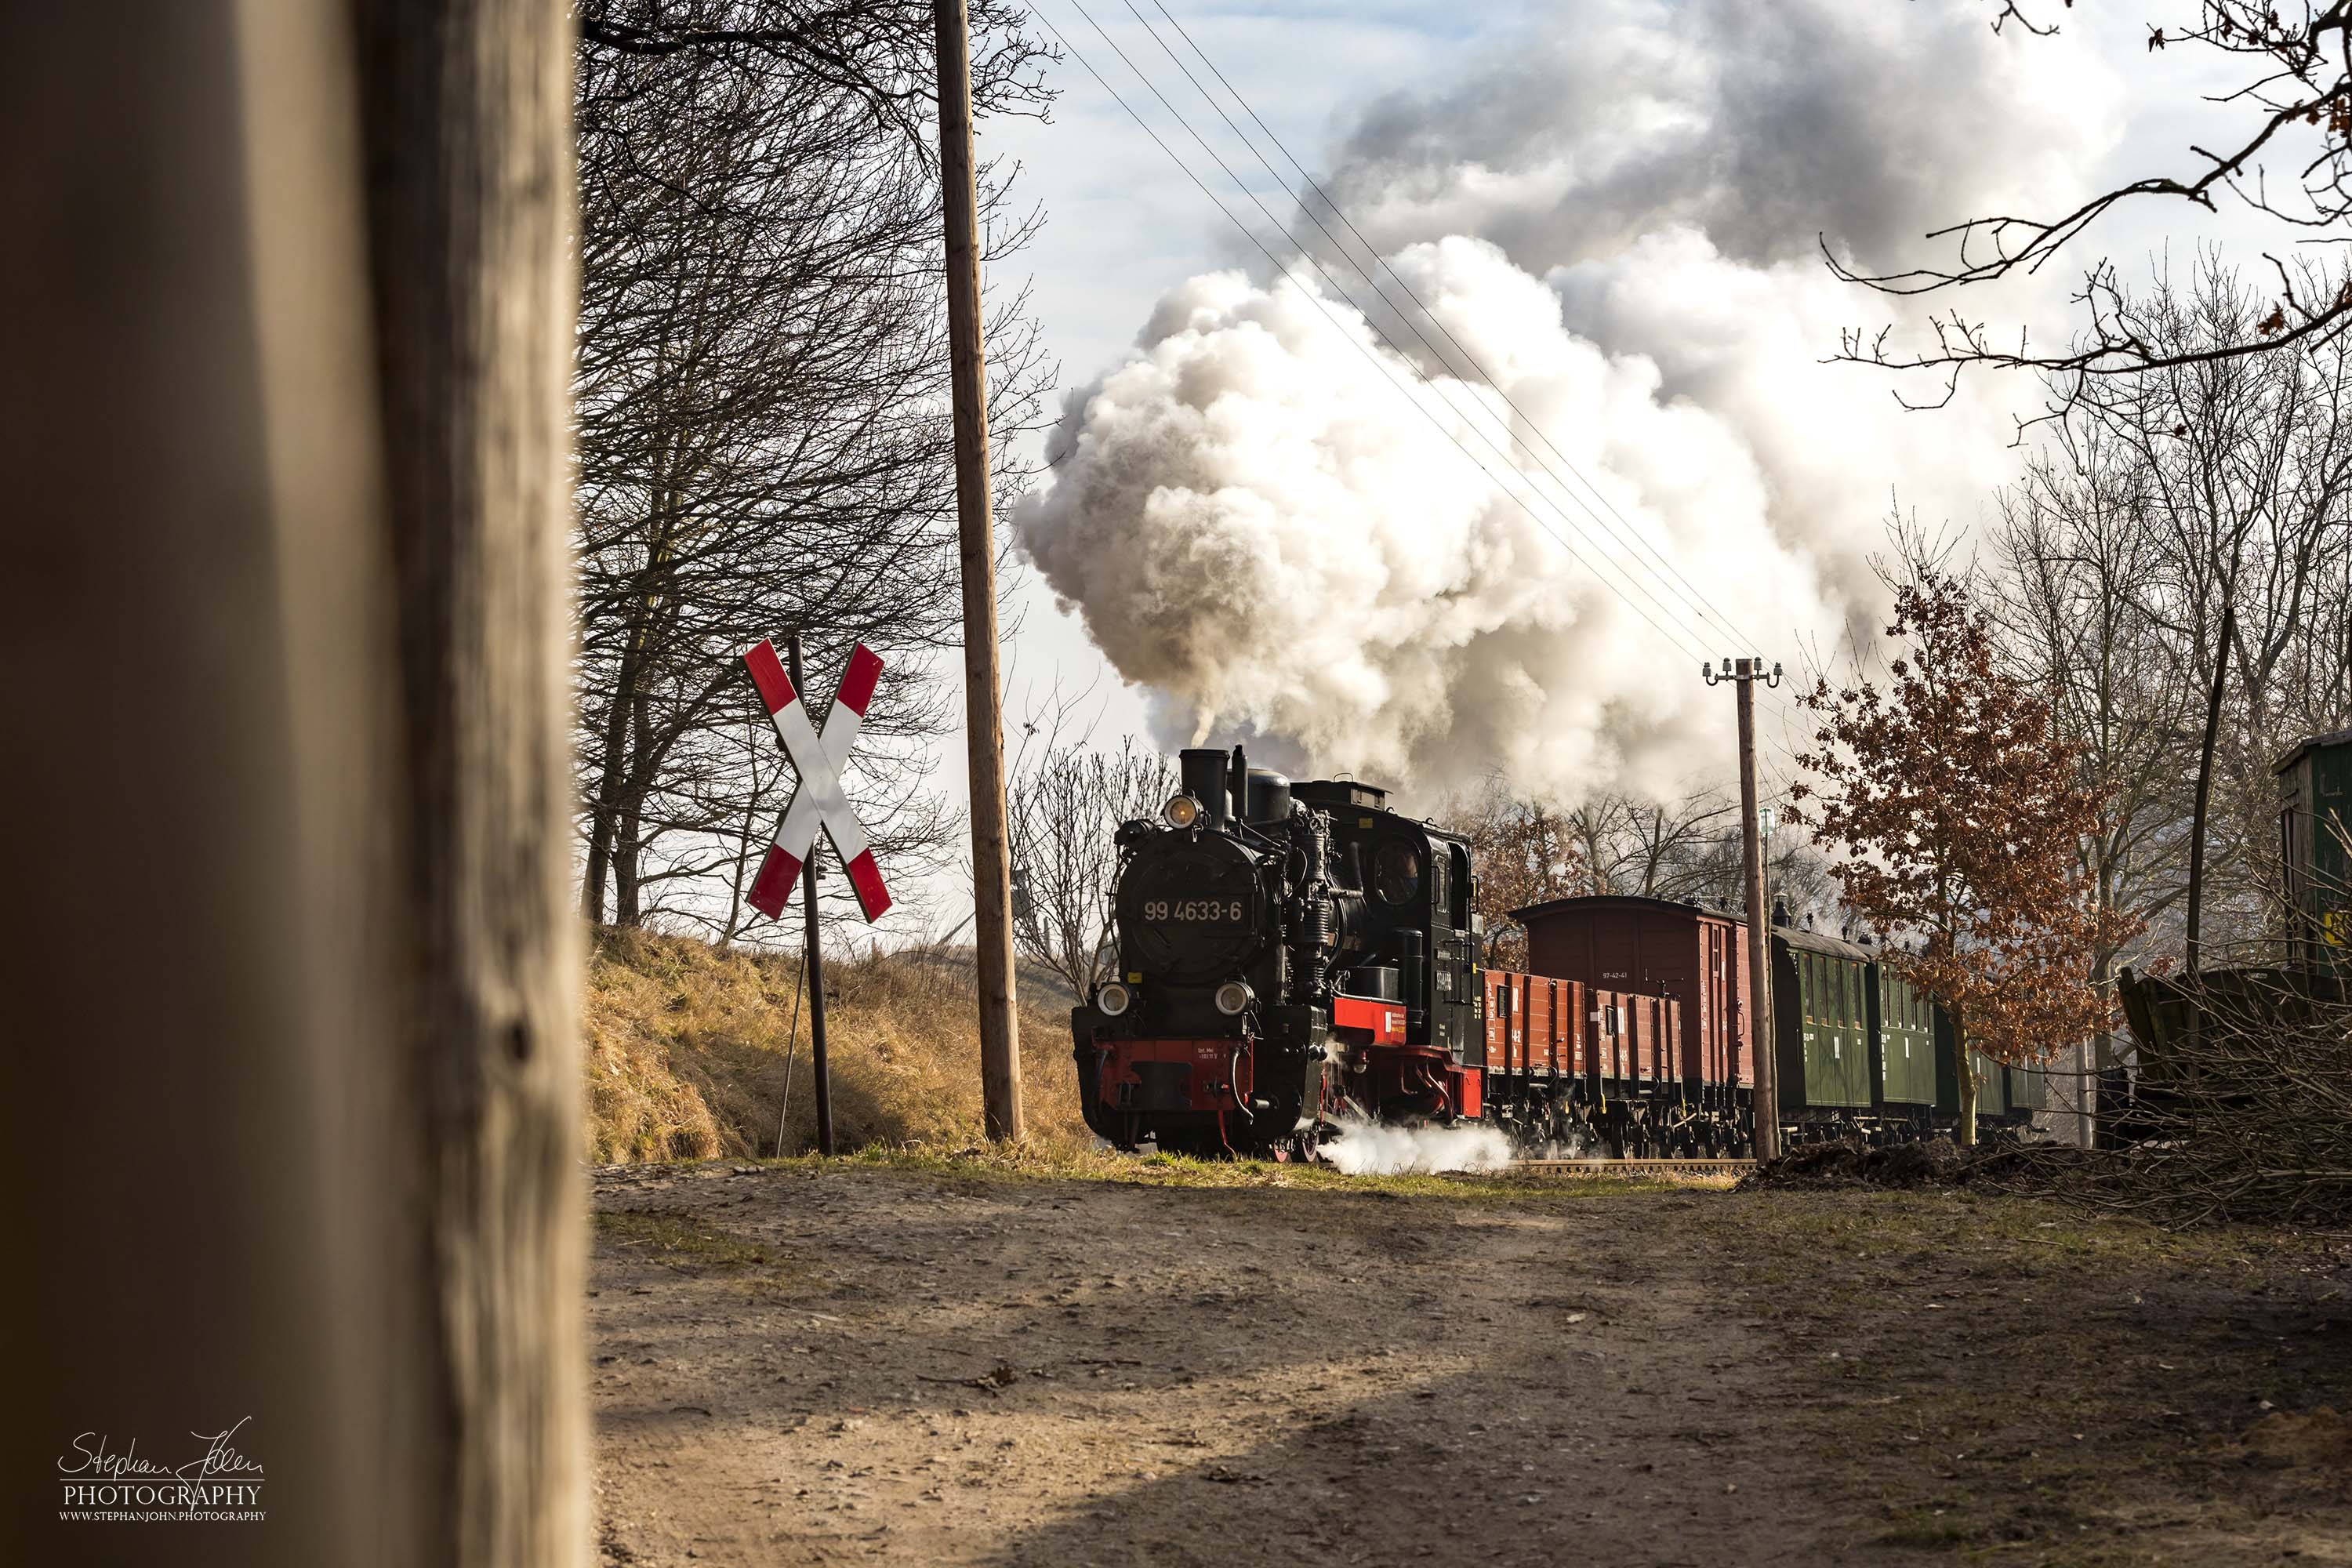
(2315, 795)
(1821, 1004)
(1903, 1022)
(1995, 1082)
(2315, 846)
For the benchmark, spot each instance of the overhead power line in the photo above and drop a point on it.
(1307, 253)
(1683, 636)
(1689, 648)
(1694, 597)
(1691, 596)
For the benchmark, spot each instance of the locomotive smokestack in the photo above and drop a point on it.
(1237, 786)
(1202, 770)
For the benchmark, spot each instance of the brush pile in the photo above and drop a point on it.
(1936, 1162)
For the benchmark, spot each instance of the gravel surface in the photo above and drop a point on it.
(871, 1364)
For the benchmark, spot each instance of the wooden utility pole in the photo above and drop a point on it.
(813, 960)
(1745, 673)
(992, 858)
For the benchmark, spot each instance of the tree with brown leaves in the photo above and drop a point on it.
(1956, 812)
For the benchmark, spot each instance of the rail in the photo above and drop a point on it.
(1636, 1167)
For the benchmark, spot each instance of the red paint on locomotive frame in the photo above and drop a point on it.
(1385, 1020)
(1205, 1089)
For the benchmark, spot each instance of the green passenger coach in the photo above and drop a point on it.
(1862, 1051)
(1907, 1048)
(1821, 995)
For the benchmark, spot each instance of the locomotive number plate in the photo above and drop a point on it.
(1192, 909)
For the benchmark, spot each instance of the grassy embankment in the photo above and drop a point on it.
(686, 1046)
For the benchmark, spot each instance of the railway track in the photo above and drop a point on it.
(1637, 1167)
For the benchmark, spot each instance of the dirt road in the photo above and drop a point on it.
(869, 1365)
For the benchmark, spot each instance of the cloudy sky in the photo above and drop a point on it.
(1475, 477)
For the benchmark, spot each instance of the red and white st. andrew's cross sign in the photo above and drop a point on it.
(818, 800)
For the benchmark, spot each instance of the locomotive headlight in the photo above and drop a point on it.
(1113, 999)
(1235, 996)
(1182, 811)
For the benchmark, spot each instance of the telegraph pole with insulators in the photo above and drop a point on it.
(1744, 674)
(991, 860)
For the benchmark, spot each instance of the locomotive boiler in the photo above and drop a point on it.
(1286, 955)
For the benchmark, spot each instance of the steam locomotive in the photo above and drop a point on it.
(1286, 955)
(1290, 957)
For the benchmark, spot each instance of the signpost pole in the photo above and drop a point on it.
(992, 861)
(813, 955)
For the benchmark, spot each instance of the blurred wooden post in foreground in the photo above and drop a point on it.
(291, 957)
(991, 857)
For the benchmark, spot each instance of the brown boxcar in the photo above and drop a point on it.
(1689, 954)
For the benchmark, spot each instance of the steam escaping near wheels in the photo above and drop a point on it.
(1382, 1149)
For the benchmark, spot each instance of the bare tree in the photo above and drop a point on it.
(1522, 852)
(765, 444)
(1064, 804)
(2291, 161)
(1527, 851)
(2071, 560)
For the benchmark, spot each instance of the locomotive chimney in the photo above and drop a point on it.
(1237, 786)
(1202, 770)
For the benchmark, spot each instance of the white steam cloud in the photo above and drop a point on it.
(1265, 517)
(1378, 1149)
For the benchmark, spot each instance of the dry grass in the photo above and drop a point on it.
(686, 1046)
